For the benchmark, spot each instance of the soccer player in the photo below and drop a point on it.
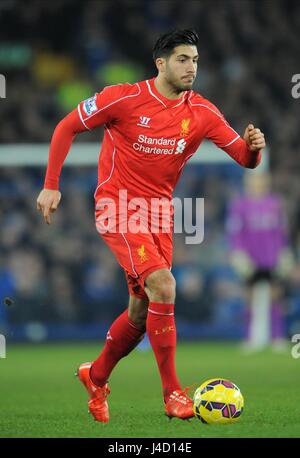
(260, 253)
(151, 129)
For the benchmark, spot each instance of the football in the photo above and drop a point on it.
(218, 401)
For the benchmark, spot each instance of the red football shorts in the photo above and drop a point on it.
(139, 254)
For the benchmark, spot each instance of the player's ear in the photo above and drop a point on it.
(160, 64)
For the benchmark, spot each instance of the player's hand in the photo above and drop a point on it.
(254, 138)
(47, 202)
(285, 264)
(242, 264)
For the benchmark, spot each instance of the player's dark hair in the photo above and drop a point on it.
(167, 42)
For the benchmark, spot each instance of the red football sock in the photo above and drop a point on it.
(161, 331)
(121, 339)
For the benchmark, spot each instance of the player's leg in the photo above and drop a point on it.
(160, 288)
(278, 334)
(141, 256)
(122, 337)
(128, 329)
(259, 323)
(138, 310)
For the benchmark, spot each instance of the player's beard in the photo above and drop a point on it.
(179, 85)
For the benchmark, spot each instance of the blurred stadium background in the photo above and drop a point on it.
(62, 279)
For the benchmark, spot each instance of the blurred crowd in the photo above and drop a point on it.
(54, 54)
(65, 273)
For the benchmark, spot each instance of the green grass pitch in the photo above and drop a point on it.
(40, 397)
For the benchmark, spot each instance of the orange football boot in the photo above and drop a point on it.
(179, 405)
(98, 406)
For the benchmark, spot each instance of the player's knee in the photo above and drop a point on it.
(165, 291)
(161, 286)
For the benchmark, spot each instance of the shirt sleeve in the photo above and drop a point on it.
(103, 107)
(225, 137)
(61, 141)
(100, 109)
(283, 226)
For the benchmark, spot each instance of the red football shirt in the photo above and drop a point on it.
(147, 138)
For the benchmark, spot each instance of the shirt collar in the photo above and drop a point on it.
(168, 103)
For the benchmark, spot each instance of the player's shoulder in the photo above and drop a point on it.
(109, 97)
(198, 101)
(119, 91)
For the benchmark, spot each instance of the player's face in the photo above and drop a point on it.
(257, 184)
(181, 67)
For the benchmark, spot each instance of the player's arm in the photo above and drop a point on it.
(63, 136)
(238, 256)
(286, 260)
(245, 151)
(93, 112)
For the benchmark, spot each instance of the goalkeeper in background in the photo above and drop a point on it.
(258, 233)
